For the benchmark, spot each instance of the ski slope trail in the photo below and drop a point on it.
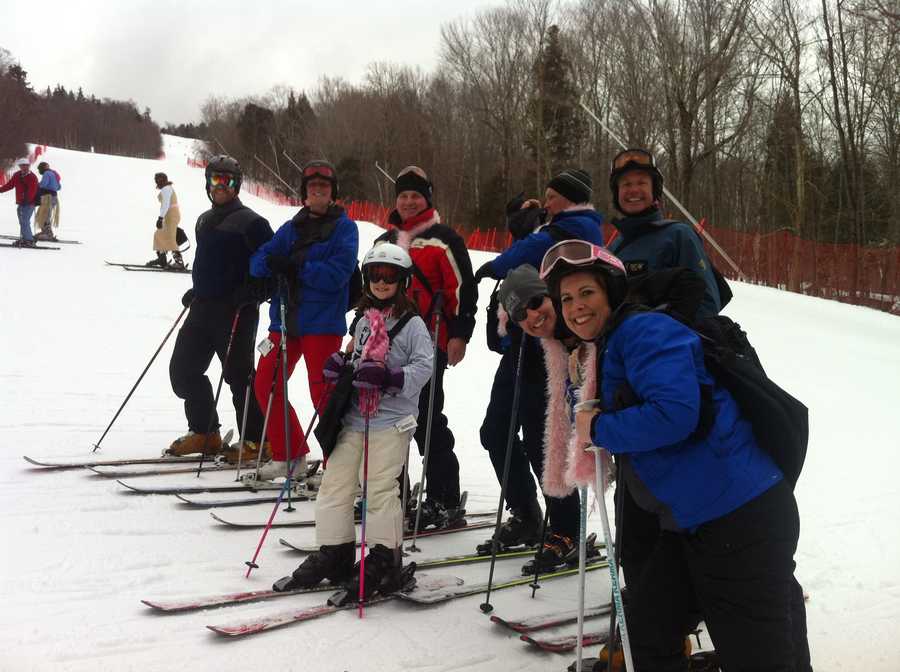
(80, 553)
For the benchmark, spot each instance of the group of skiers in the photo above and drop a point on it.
(31, 194)
(708, 522)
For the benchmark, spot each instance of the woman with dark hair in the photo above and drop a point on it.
(165, 239)
(728, 516)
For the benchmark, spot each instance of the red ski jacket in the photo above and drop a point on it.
(26, 187)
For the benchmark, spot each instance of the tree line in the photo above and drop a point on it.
(765, 115)
(69, 119)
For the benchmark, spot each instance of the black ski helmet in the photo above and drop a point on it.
(634, 159)
(222, 163)
(322, 169)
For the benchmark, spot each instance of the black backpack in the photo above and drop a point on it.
(780, 421)
(331, 420)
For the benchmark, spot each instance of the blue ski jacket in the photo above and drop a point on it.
(686, 480)
(649, 243)
(579, 222)
(322, 284)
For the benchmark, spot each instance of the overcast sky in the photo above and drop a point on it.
(170, 56)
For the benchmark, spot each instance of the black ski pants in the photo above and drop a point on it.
(528, 450)
(442, 474)
(205, 332)
(738, 572)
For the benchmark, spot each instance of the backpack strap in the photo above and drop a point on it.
(402, 322)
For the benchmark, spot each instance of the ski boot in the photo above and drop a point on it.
(332, 563)
(601, 662)
(177, 262)
(159, 261)
(193, 442)
(522, 528)
(560, 552)
(250, 452)
(383, 574)
(21, 242)
(437, 516)
(277, 469)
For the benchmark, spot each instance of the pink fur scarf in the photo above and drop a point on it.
(405, 238)
(566, 465)
(375, 349)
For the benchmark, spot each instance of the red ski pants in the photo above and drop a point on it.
(315, 349)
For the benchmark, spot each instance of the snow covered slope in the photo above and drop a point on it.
(79, 553)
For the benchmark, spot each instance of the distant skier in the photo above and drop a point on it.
(397, 382)
(26, 185)
(165, 239)
(47, 217)
(446, 271)
(315, 253)
(227, 235)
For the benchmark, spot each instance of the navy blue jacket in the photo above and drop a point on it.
(686, 480)
(323, 274)
(582, 223)
(227, 236)
(649, 243)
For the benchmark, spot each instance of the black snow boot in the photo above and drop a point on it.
(522, 528)
(160, 260)
(383, 574)
(334, 563)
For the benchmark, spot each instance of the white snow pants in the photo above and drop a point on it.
(343, 478)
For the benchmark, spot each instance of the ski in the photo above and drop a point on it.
(436, 597)
(35, 247)
(551, 620)
(64, 463)
(55, 240)
(125, 471)
(157, 269)
(565, 643)
(423, 585)
(209, 602)
(187, 488)
(408, 536)
(312, 522)
(200, 503)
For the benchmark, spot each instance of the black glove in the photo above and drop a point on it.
(486, 271)
(187, 298)
(159, 222)
(523, 222)
(254, 291)
(280, 264)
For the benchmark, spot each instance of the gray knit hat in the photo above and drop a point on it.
(521, 285)
(573, 184)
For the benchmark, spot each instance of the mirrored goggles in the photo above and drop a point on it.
(577, 253)
(318, 171)
(384, 273)
(222, 180)
(638, 158)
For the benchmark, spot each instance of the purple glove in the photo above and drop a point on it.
(393, 381)
(333, 366)
(370, 375)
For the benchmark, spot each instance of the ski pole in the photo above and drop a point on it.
(247, 392)
(537, 568)
(436, 311)
(612, 553)
(251, 564)
(283, 291)
(141, 377)
(699, 229)
(619, 500)
(212, 414)
(262, 438)
(582, 564)
(365, 503)
(486, 606)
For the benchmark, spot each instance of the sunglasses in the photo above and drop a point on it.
(535, 302)
(384, 273)
(639, 158)
(577, 253)
(318, 171)
(224, 180)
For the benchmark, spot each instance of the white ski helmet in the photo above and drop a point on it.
(390, 254)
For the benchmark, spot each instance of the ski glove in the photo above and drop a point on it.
(280, 264)
(376, 376)
(159, 221)
(188, 297)
(486, 271)
(334, 365)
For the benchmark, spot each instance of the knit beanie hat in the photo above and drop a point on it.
(573, 184)
(413, 178)
(521, 285)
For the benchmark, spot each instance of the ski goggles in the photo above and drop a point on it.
(577, 253)
(384, 273)
(318, 170)
(413, 169)
(635, 158)
(222, 180)
(521, 311)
